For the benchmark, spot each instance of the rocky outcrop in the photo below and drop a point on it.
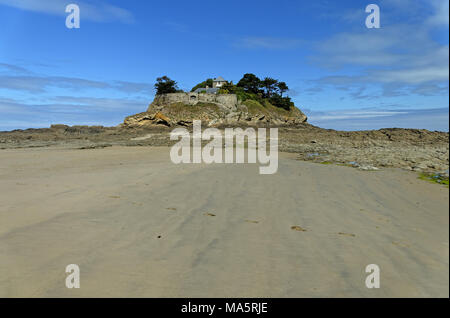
(181, 109)
(145, 118)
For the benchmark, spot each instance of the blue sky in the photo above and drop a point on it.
(341, 74)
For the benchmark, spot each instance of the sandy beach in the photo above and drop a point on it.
(140, 226)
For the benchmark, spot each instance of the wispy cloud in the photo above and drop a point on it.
(98, 103)
(367, 119)
(69, 110)
(91, 10)
(268, 43)
(20, 79)
(399, 58)
(32, 101)
(133, 87)
(178, 27)
(39, 84)
(9, 68)
(440, 16)
(385, 47)
(387, 60)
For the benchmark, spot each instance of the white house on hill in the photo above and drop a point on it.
(218, 82)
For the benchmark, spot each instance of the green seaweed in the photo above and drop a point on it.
(434, 178)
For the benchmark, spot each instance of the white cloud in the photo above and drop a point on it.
(268, 43)
(352, 114)
(367, 119)
(418, 75)
(402, 56)
(90, 10)
(12, 68)
(19, 79)
(396, 46)
(441, 13)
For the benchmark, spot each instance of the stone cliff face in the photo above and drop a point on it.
(213, 110)
(226, 101)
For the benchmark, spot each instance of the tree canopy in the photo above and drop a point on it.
(248, 87)
(269, 85)
(164, 85)
(270, 89)
(250, 83)
(282, 88)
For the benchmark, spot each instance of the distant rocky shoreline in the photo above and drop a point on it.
(410, 149)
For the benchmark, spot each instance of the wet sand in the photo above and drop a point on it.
(139, 226)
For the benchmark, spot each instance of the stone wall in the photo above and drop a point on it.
(228, 101)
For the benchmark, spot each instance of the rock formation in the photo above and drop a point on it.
(180, 109)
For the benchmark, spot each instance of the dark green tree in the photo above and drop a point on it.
(282, 102)
(282, 88)
(269, 85)
(229, 86)
(164, 85)
(250, 83)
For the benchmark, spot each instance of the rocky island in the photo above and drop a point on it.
(247, 105)
(223, 103)
(213, 110)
